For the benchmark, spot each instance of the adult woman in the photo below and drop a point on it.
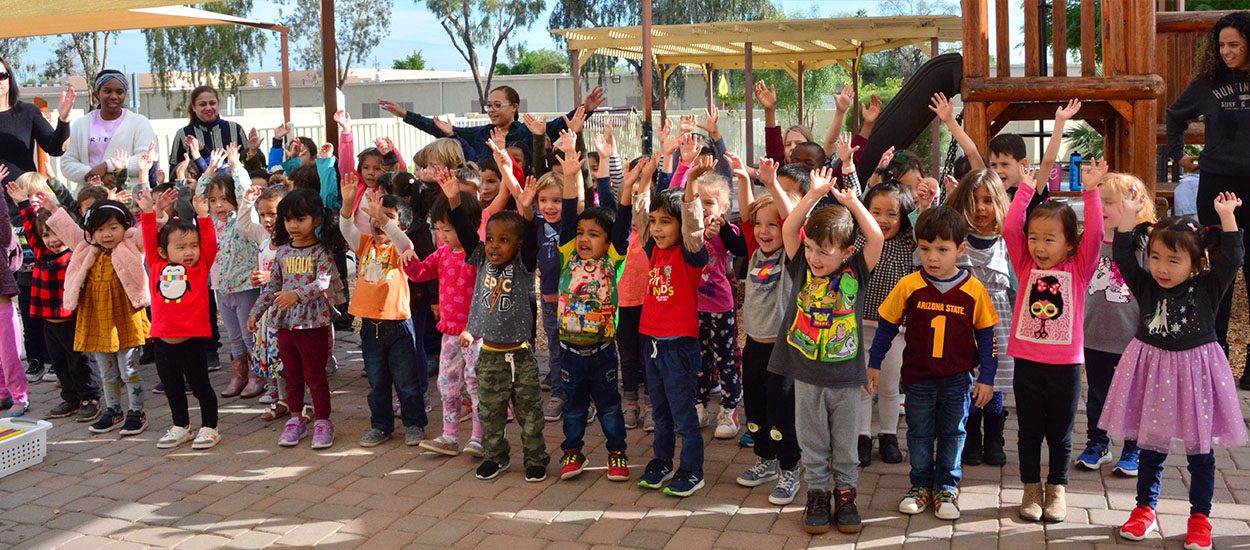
(95, 138)
(207, 131)
(22, 126)
(1219, 94)
(502, 106)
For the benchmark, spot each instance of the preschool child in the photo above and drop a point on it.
(265, 363)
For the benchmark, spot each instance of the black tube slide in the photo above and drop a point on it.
(908, 114)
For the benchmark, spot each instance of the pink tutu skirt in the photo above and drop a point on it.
(1174, 401)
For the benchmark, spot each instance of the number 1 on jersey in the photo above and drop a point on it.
(938, 324)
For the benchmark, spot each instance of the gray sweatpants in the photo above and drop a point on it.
(827, 422)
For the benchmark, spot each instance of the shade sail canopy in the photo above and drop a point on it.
(775, 44)
(69, 16)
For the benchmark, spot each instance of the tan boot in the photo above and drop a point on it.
(1031, 502)
(238, 377)
(1056, 508)
(254, 387)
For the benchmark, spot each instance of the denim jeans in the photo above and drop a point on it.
(551, 326)
(672, 376)
(390, 354)
(1201, 480)
(936, 412)
(587, 379)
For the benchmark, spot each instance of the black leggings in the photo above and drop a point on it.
(173, 362)
(1210, 185)
(1046, 403)
(769, 402)
(629, 347)
(79, 382)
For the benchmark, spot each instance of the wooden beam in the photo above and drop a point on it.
(1142, 39)
(1141, 143)
(329, 71)
(1059, 38)
(975, 39)
(1032, 66)
(1002, 38)
(977, 125)
(1114, 45)
(707, 75)
(935, 130)
(1195, 133)
(855, 111)
(800, 82)
(1191, 21)
(996, 108)
(664, 93)
(575, 68)
(285, 33)
(1084, 87)
(749, 82)
(647, 88)
(1088, 37)
(1090, 111)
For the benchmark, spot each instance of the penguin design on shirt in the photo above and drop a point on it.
(174, 284)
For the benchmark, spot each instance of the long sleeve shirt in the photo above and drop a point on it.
(455, 288)
(1224, 105)
(237, 259)
(477, 136)
(21, 128)
(47, 289)
(310, 273)
(179, 292)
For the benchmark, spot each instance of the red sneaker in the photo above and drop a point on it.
(573, 462)
(1198, 535)
(1141, 523)
(618, 466)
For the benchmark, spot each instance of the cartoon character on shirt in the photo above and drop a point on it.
(1046, 318)
(174, 284)
(824, 326)
(1107, 278)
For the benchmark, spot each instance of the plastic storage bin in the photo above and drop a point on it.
(23, 443)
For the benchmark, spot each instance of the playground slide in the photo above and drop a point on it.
(907, 115)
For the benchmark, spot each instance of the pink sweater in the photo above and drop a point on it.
(127, 261)
(455, 286)
(1050, 306)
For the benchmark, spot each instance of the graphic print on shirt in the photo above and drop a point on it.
(660, 283)
(587, 311)
(1108, 278)
(174, 284)
(1172, 315)
(1233, 97)
(497, 288)
(824, 323)
(374, 266)
(1046, 318)
(765, 272)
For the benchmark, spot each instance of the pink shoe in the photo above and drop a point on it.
(323, 434)
(295, 430)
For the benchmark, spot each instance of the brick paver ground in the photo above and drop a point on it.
(101, 491)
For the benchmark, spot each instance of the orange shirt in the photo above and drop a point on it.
(381, 286)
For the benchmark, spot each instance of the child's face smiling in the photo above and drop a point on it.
(1048, 244)
(665, 229)
(549, 204)
(592, 240)
(1169, 267)
(824, 259)
(502, 243)
(110, 234)
(370, 170)
(885, 209)
(1007, 168)
(53, 243)
(768, 229)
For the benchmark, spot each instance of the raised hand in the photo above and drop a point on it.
(687, 123)
(344, 120)
(502, 158)
(166, 199)
(123, 197)
(926, 193)
(700, 166)
(326, 151)
(738, 167)
(1226, 204)
(200, 202)
(842, 100)
(845, 151)
(444, 126)
(232, 156)
(710, 122)
(689, 147)
(525, 202)
(216, 160)
(1093, 171)
(46, 200)
(120, 160)
(17, 192)
(605, 141)
(576, 123)
(193, 146)
(822, 182)
(282, 130)
(886, 157)
(766, 95)
(147, 159)
(252, 194)
(950, 183)
(347, 189)
(499, 137)
(180, 171)
(668, 143)
(594, 99)
(383, 145)
(67, 103)
(392, 108)
(146, 202)
(571, 163)
(448, 183)
(568, 142)
(536, 125)
(1065, 113)
(94, 181)
(253, 140)
(942, 107)
(872, 110)
(1028, 176)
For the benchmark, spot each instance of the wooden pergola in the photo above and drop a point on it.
(792, 45)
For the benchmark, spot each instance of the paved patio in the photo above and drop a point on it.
(101, 491)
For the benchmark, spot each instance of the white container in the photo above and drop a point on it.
(23, 443)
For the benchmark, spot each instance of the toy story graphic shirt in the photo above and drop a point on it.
(821, 333)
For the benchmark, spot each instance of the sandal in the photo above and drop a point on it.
(276, 410)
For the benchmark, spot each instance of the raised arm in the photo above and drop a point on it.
(874, 240)
(347, 224)
(946, 112)
(347, 142)
(1062, 116)
(249, 227)
(792, 227)
(842, 103)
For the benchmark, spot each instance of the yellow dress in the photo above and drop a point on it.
(107, 323)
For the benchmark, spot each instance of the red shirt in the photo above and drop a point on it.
(179, 293)
(669, 306)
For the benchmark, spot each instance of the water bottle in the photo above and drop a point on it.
(1055, 179)
(1074, 171)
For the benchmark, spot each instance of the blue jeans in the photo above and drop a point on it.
(419, 320)
(390, 354)
(672, 377)
(936, 411)
(1201, 480)
(586, 379)
(551, 326)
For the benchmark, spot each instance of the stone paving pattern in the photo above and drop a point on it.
(105, 492)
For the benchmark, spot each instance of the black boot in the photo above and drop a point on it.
(972, 442)
(865, 451)
(994, 454)
(887, 445)
(1244, 383)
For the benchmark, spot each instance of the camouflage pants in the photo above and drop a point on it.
(510, 376)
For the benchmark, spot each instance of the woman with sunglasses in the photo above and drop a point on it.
(22, 126)
(502, 106)
(96, 137)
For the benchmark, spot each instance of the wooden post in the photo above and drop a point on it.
(329, 71)
(749, 81)
(646, 77)
(285, 33)
(1059, 42)
(1087, 38)
(1113, 43)
(799, 77)
(1002, 38)
(575, 67)
(935, 130)
(855, 89)
(1032, 40)
(977, 65)
(663, 73)
(707, 75)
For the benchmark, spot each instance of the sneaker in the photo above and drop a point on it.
(293, 432)
(701, 410)
(762, 472)
(64, 409)
(618, 466)
(177, 435)
(158, 388)
(655, 475)
(214, 362)
(915, 501)
(632, 412)
(845, 512)
(554, 409)
(323, 434)
(474, 449)
(108, 421)
(443, 445)
(648, 423)
(269, 396)
(1141, 523)
(816, 512)
(684, 485)
(372, 438)
(887, 446)
(35, 370)
(1094, 456)
(865, 451)
(413, 435)
(18, 409)
(946, 505)
(136, 422)
(534, 474)
(206, 438)
(747, 441)
(726, 424)
(572, 464)
(1198, 533)
(1127, 465)
(89, 411)
(51, 377)
(489, 469)
(787, 487)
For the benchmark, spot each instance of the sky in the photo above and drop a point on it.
(412, 29)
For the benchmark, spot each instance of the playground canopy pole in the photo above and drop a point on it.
(329, 71)
(646, 77)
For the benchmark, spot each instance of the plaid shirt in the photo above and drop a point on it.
(48, 279)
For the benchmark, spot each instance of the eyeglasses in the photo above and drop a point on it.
(497, 106)
(4, 76)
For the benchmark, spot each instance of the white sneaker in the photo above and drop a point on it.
(474, 448)
(176, 436)
(269, 396)
(50, 376)
(206, 438)
(701, 410)
(727, 424)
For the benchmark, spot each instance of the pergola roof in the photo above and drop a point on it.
(775, 44)
(48, 17)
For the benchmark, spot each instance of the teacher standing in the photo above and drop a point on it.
(1220, 94)
(22, 126)
(207, 130)
(95, 138)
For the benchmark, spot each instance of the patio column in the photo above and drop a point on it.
(749, 78)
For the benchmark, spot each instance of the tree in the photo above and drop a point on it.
(414, 62)
(486, 24)
(360, 26)
(192, 56)
(544, 61)
(92, 49)
(12, 49)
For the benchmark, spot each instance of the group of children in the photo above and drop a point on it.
(941, 296)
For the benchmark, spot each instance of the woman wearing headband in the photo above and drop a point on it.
(96, 137)
(22, 126)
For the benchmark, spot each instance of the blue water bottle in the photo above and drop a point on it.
(1074, 171)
